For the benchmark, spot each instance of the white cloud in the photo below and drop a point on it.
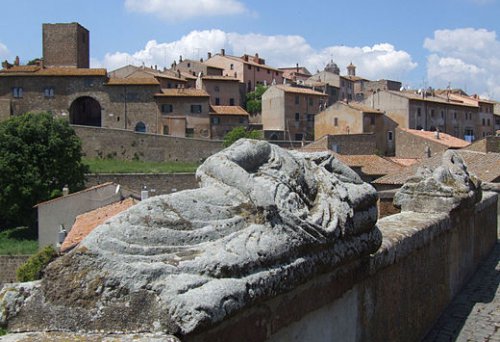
(377, 61)
(179, 10)
(465, 58)
(4, 52)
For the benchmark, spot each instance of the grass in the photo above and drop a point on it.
(135, 166)
(17, 241)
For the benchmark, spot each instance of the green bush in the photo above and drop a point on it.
(3, 332)
(33, 268)
(238, 133)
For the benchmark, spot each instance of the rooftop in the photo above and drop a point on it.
(87, 222)
(297, 90)
(370, 164)
(96, 187)
(182, 92)
(228, 110)
(411, 95)
(444, 139)
(483, 165)
(361, 108)
(30, 70)
(132, 81)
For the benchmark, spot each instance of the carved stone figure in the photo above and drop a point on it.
(441, 189)
(263, 221)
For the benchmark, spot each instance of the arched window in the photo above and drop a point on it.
(140, 127)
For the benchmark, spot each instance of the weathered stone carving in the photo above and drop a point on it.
(263, 221)
(441, 189)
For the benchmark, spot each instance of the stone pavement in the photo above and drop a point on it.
(474, 314)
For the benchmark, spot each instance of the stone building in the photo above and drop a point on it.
(428, 112)
(288, 112)
(353, 118)
(194, 67)
(65, 45)
(223, 90)
(224, 118)
(249, 70)
(332, 83)
(296, 74)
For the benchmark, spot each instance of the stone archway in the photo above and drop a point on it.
(85, 111)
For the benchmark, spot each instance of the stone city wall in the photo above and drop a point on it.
(8, 266)
(394, 295)
(127, 145)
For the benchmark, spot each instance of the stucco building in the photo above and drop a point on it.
(353, 118)
(225, 118)
(288, 112)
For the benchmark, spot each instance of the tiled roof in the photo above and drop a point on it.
(183, 92)
(361, 108)
(251, 62)
(87, 222)
(103, 185)
(37, 71)
(297, 90)
(370, 164)
(444, 139)
(404, 161)
(220, 78)
(354, 78)
(418, 97)
(133, 81)
(483, 165)
(228, 110)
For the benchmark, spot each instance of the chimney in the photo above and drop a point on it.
(16, 61)
(209, 55)
(222, 52)
(201, 59)
(256, 58)
(180, 59)
(245, 58)
(65, 190)
(297, 67)
(436, 134)
(144, 193)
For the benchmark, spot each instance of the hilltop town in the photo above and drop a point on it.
(384, 132)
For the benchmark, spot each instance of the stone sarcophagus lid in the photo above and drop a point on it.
(263, 221)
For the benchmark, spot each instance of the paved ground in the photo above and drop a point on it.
(474, 315)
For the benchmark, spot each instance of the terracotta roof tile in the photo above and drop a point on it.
(183, 92)
(251, 62)
(297, 90)
(404, 161)
(483, 165)
(87, 222)
(22, 71)
(228, 110)
(220, 78)
(418, 97)
(370, 164)
(444, 139)
(132, 81)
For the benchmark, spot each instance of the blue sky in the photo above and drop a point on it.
(421, 43)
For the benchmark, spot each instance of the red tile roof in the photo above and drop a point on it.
(132, 81)
(483, 165)
(57, 71)
(220, 78)
(87, 222)
(228, 110)
(370, 164)
(444, 139)
(297, 90)
(183, 92)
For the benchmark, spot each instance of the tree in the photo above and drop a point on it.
(39, 155)
(238, 133)
(254, 99)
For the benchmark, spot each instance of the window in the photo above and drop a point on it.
(268, 71)
(335, 121)
(215, 120)
(249, 67)
(484, 122)
(419, 112)
(249, 86)
(372, 120)
(140, 127)
(389, 136)
(311, 101)
(167, 108)
(231, 67)
(299, 136)
(258, 69)
(17, 92)
(310, 117)
(189, 132)
(442, 114)
(454, 115)
(48, 92)
(216, 89)
(196, 108)
(243, 120)
(297, 117)
(217, 101)
(189, 65)
(165, 130)
(169, 85)
(231, 101)
(297, 99)
(489, 122)
(432, 113)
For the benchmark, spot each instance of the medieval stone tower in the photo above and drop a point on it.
(65, 45)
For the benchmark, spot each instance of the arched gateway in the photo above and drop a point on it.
(85, 111)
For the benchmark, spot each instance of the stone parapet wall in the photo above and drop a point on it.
(127, 145)
(8, 266)
(159, 184)
(394, 295)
